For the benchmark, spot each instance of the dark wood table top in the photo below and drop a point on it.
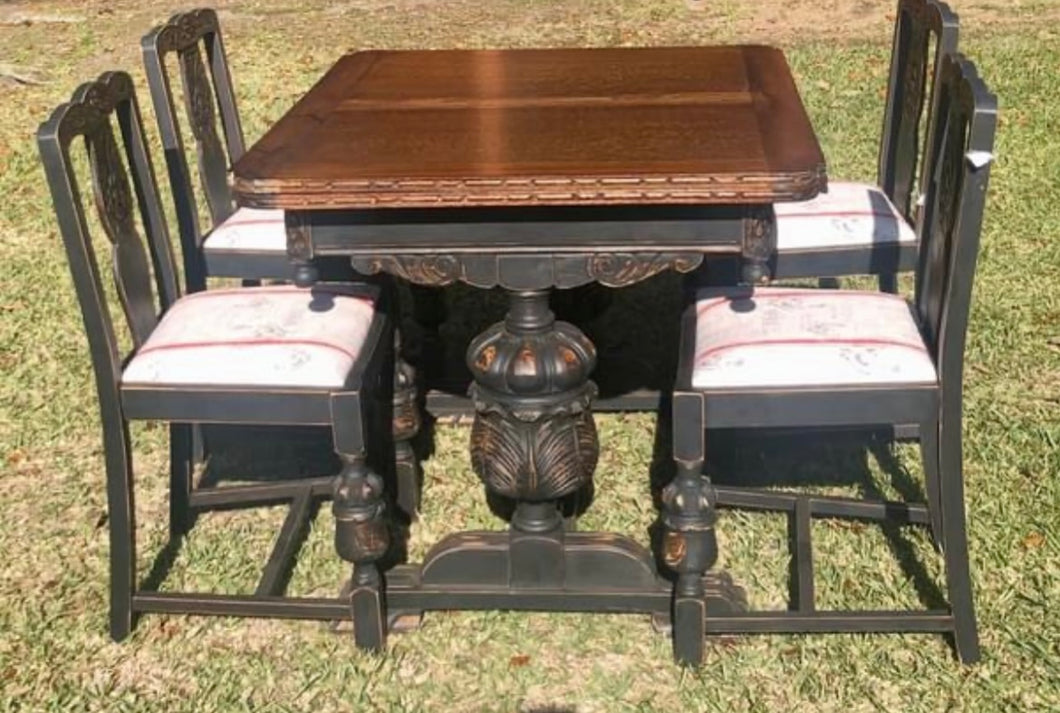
(680, 125)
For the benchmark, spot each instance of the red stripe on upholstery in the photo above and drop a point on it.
(250, 342)
(774, 293)
(809, 342)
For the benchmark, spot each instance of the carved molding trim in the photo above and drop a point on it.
(622, 269)
(613, 269)
(434, 270)
(529, 191)
(92, 104)
(185, 29)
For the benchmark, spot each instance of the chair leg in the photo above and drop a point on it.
(428, 313)
(406, 424)
(182, 454)
(955, 546)
(689, 548)
(199, 451)
(889, 282)
(121, 518)
(929, 454)
(362, 537)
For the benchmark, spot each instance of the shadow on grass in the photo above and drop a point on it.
(252, 455)
(807, 461)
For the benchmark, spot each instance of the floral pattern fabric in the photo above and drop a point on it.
(848, 215)
(269, 336)
(804, 337)
(250, 230)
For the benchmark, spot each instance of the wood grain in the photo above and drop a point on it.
(705, 125)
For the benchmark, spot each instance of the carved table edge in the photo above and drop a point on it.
(296, 194)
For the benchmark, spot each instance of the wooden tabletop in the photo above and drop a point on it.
(681, 125)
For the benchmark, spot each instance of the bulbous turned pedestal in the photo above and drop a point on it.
(533, 437)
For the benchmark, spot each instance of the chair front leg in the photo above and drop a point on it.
(689, 548)
(689, 545)
(362, 529)
(362, 537)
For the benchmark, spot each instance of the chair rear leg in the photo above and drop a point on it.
(406, 424)
(955, 548)
(182, 454)
(121, 519)
(929, 453)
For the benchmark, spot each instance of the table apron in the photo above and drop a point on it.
(522, 254)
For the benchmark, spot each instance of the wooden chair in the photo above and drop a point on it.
(275, 355)
(862, 229)
(242, 242)
(756, 358)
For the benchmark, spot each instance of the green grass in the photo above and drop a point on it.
(54, 651)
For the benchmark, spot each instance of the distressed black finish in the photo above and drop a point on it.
(355, 412)
(533, 437)
(194, 37)
(924, 32)
(960, 142)
(530, 209)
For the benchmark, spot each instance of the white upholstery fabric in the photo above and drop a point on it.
(794, 337)
(268, 336)
(249, 229)
(848, 215)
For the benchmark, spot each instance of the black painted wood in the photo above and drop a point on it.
(960, 140)
(191, 37)
(924, 32)
(145, 279)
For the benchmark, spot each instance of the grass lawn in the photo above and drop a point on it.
(54, 649)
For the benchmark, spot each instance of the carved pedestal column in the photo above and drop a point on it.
(533, 438)
(690, 548)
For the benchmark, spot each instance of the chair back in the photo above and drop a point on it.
(88, 120)
(195, 38)
(957, 173)
(924, 32)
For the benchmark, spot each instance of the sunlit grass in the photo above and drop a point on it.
(54, 652)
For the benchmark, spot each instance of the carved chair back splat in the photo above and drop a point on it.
(195, 38)
(924, 32)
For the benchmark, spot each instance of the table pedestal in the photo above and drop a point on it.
(534, 441)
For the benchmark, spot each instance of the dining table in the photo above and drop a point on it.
(532, 170)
